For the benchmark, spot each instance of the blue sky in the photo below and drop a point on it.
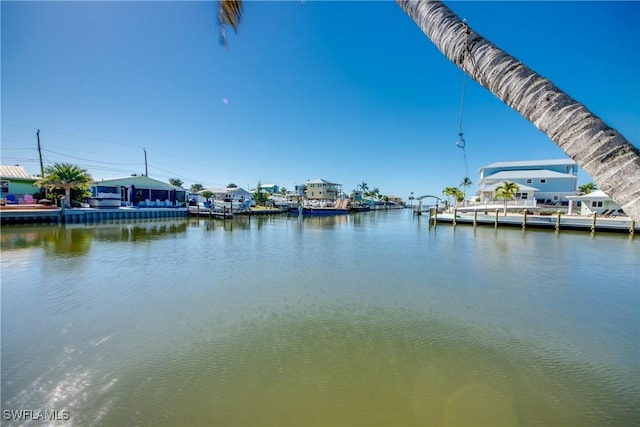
(345, 91)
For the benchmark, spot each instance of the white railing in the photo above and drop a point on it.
(498, 203)
(108, 196)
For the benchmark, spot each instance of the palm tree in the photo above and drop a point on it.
(466, 182)
(450, 192)
(459, 196)
(65, 176)
(196, 187)
(587, 188)
(602, 152)
(364, 187)
(176, 182)
(411, 199)
(207, 194)
(507, 191)
(375, 193)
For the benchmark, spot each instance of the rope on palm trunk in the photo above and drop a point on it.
(461, 143)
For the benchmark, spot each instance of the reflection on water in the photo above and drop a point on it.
(369, 319)
(337, 366)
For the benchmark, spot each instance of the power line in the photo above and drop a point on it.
(89, 160)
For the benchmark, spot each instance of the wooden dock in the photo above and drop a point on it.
(209, 213)
(557, 222)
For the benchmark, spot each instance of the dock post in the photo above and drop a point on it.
(558, 220)
(63, 205)
(524, 220)
(455, 213)
(475, 217)
(593, 224)
(435, 215)
(495, 224)
(632, 227)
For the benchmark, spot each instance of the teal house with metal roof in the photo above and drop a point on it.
(16, 182)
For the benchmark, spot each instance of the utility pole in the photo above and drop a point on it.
(40, 153)
(146, 172)
(43, 190)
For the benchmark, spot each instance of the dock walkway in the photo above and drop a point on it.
(554, 222)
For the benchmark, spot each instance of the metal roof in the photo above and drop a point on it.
(594, 195)
(16, 172)
(529, 173)
(225, 190)
(139, 182)
(531, 163)
(321, 181)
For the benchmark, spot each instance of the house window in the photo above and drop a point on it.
(4, 187)
(529, 181)
(518, 195)
(524, 196)
(542, 181)
(596, 204)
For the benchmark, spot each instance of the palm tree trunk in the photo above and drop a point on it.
(602, 152)
(67, 196)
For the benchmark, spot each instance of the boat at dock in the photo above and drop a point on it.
(321, 208)
(360, 207)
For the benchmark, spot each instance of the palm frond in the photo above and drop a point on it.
(229, 13)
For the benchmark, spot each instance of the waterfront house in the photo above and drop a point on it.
(270, 188)
(321, 189)
(597, 202)
(16, 183)
(396, 200)
(139, 191)
(241, 199)
(546, 181)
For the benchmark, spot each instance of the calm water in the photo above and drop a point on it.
(370, 319)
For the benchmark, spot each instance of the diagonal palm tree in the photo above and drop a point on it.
(601, 151)
(507, 191)
(65, 176)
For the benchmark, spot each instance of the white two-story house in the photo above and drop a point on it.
(546, 181)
